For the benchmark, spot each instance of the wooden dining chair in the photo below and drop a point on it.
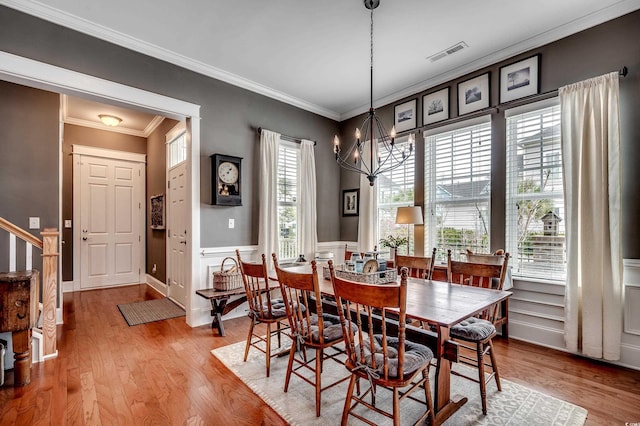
(310, 328)
(418, 266)
(263, 309)
(378, 352)
(475, 334)
(499, 257)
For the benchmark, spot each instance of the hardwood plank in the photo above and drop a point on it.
(163, 373)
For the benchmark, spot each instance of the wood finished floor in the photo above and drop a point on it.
(163, 373)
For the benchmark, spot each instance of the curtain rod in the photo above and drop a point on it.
(288, 138)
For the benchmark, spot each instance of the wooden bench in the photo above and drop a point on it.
(221, 304)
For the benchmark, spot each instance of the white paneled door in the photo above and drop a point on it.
(111, 221)
(177, 260)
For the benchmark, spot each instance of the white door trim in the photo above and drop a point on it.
(108, 153)
(37, 74)
(82, 150)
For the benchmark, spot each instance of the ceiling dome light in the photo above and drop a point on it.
(110, 120)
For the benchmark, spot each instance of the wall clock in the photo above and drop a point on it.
(226, 179)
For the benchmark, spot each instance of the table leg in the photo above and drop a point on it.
(217, 310)
(505, 313)
(444, 405)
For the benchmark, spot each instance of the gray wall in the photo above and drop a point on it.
(29, 154)
(78, 135)
(229, 117)
(590, 53)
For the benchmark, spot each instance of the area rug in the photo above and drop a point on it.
(150, 310)
(515, 405)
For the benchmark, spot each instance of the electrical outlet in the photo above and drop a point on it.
(67, 223)
(154, 269)
(34, 223)
(232, 223)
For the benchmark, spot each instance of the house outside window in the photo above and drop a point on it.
(458, 188)
(395, 189)
(288, 200)
(535, 229)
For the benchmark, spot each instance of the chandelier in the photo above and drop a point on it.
(371, 139)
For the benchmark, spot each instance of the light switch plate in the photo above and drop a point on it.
(34, 223)
(232, 223)
(67, 223)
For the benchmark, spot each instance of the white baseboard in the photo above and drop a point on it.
(59, 317)
(67, 287)
(157, 285)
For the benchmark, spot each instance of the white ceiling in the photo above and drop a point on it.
(315, 55)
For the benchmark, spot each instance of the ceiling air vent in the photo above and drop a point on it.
(448, 51)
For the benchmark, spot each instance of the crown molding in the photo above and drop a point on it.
(76, 23)
(56, 16)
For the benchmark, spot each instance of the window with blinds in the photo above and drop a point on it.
(288, 164)
(535, 196)
(458, 188)
(395, 189)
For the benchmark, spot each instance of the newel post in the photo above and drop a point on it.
(49, 289)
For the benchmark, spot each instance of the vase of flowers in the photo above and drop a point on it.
(392, 242)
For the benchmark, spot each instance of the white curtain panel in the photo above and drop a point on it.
(268, 187)
(367, 217)
(308, 235)
(592, 177)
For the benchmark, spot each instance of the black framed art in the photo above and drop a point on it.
(473, 94)
(350, 202)
(405, 116)
(520, 79)
(435, 106)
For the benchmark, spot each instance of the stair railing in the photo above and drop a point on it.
(49, 247)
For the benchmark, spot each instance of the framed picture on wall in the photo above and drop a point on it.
(350, 202)
(435, 106)
(520, 79)
(405, 115)
(157, 211)
(473, 94)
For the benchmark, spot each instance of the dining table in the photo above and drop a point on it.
(442, 305)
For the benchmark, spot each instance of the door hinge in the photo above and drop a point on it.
(169, 184)
(139, 238)
(139, 172)
(139, 205)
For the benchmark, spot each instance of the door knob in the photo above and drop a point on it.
(84, 238)
(183, 242)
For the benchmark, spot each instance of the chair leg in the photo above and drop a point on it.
(292, 354)
(347, 402)
(396, 407)
(494, 366)
(268, 348)
(246, 349)
(481, 379)
(318, 380)
(427, 394)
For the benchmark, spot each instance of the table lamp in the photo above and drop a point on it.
(411, 215)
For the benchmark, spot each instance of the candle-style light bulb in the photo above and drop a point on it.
(336, 144)
(358, 135)
(392, 135)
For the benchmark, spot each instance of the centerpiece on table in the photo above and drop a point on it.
(392, 242)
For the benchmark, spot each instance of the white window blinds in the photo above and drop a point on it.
(535, 197)
(288, 163)
(395, 189)
(458, 188)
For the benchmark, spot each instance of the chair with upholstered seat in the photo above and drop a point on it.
(476, 334)
(379, 352)
(262, 308)
(310, 328)
(418, 266)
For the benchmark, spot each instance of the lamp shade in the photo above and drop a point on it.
(409, 215)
